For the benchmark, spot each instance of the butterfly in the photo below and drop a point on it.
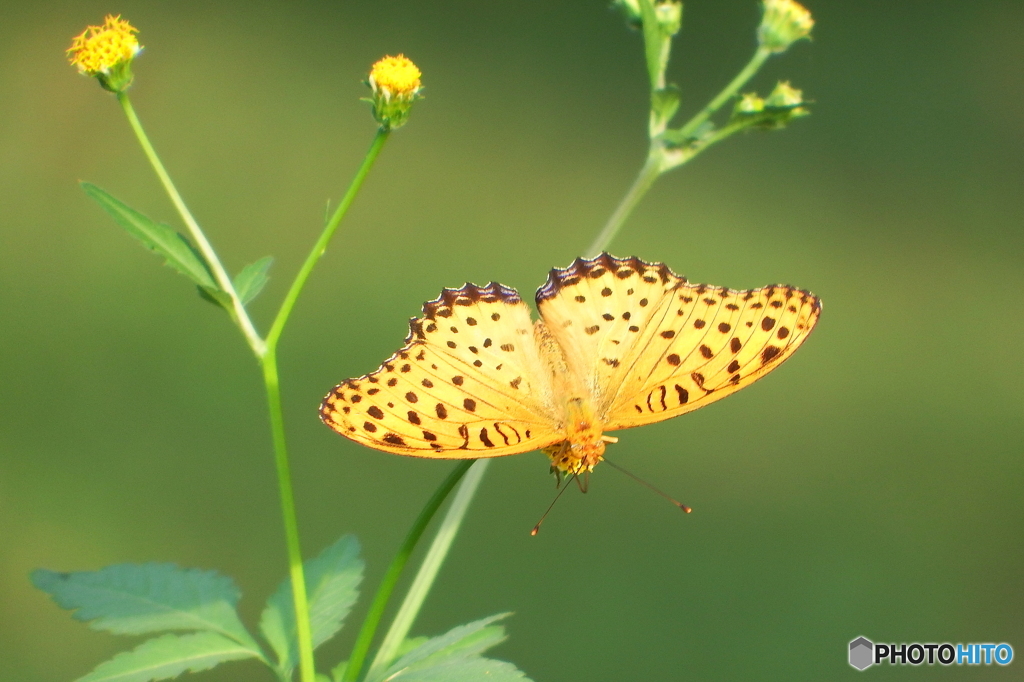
(620, 343)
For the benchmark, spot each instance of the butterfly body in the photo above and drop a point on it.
(620, 343)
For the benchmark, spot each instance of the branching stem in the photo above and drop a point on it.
(658, 156)
(238, 313)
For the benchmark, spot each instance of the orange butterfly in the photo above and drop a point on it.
(620, 343)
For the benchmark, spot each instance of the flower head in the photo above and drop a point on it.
(395, 82)
(106, 52)
(783, 23)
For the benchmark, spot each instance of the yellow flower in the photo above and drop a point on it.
(395, 76)
(783, 23)
(106, 52)
(395, 82)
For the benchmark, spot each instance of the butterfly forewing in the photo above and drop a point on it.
(621, 341)
(603, 312)
(468, 383)
(650, 346)
(725, 340)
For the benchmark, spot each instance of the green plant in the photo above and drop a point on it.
(311, 604)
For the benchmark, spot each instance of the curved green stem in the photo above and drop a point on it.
(387, 584)
(727, 93)
(307, 670)
(240, 316)
(325, 237)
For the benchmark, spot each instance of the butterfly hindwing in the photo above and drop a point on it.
(468, 383)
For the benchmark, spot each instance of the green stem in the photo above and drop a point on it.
(268, 358)
(648, 174)
(425, 577)
(727, 93)
(325, 237)
(656, 162)
(291, 524)
(387, 585)
(240, 316)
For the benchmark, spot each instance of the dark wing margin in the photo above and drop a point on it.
(596, 267)
(462, 386)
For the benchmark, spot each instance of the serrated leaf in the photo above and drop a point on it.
(177, 251)
(471, 669)
(473, 644)
(410, 643)
(251, 280)
(135, 599)
(168, 656)
(332, 581)
(461, 642)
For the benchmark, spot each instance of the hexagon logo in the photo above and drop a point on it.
(862, 653)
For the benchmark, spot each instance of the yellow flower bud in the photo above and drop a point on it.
(106, 52)
(783, 23)
(784, 96)
(749, 104)
(395, 82)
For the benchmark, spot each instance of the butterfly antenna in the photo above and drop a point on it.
(645, 483)
(536, 529)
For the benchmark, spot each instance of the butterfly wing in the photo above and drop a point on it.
(602, 311)
(653, 346)
(468, 383)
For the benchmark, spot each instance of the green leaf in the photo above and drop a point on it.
(664, 104)
(168, 656)
(251, 280)
(410, 643)
(332, 580)
(135, 599)
(471, 669)
(175, 248)
(460, 643)
(654, 38)
(217, 297)
(339, 671)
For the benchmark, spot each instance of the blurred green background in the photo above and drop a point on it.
(870, 487)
